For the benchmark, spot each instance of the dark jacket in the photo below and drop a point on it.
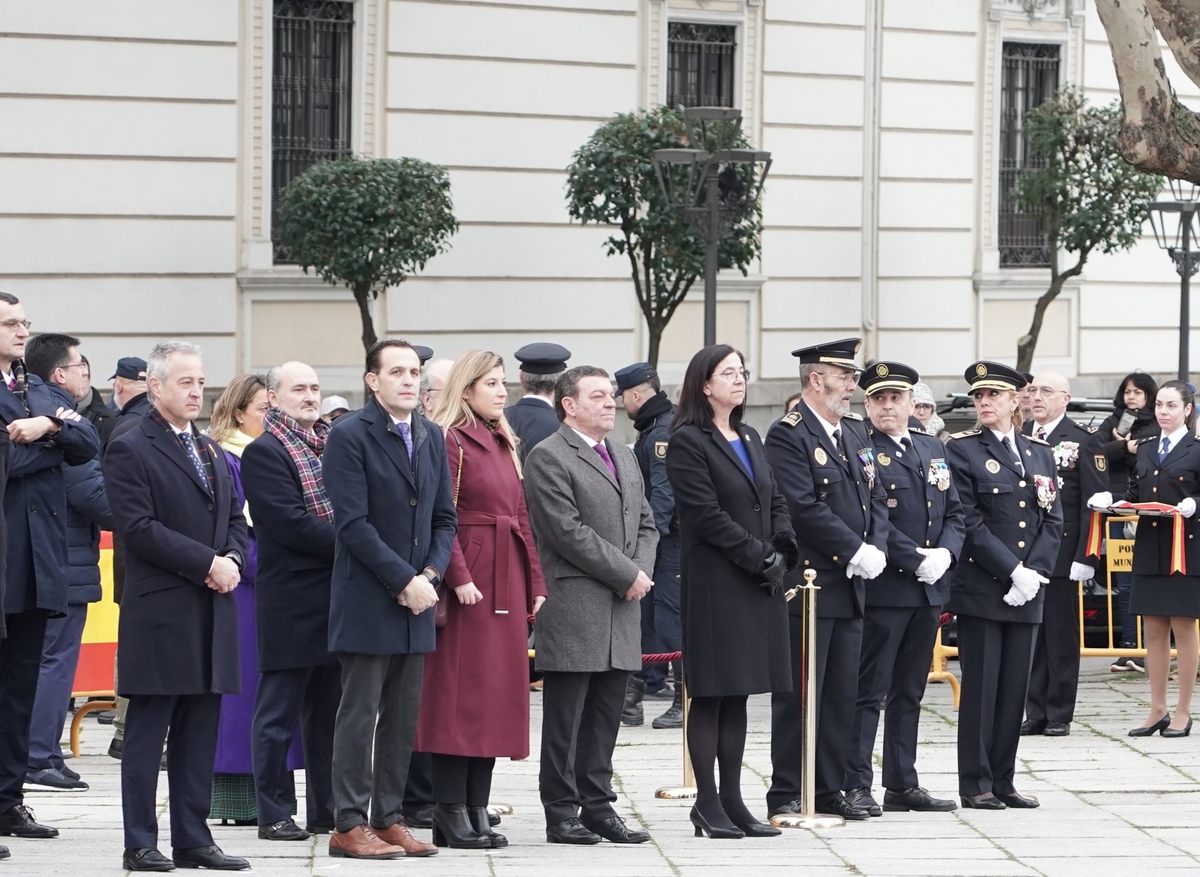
(1119, 463)
(1170, 482)
(650, 448)
(129, 416)
(35, 501)
(295, 561)
(735, 630)
(87, 515)
(97, 412)
(177, 635)
(392, 520)
(1078, 479)
(922, 514)
(5, 446)
(1006, 524)
(533, 421)
(835, 507)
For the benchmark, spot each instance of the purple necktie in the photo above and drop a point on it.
(608, 461)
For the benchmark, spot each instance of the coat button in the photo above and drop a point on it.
(758, 508)
(1020, 544)
(826, 480)
(1020, 484)
(835, 558)
(1154, 523)
(1021, 524)
(893, 487)
(926, 543)
(208, 506)
(416, 542)
(929, 505)
(54, 512)
(995, 490)
(1155, 471)
(1021, 504)
(33, 509)
(413, 501)
(1154, 490)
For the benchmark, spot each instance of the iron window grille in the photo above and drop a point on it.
(311, 98)
(700, 71)
(1029, 79)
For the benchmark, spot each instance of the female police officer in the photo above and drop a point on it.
(1009, 492)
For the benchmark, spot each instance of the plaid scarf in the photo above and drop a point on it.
(21, 379)
(305, 448)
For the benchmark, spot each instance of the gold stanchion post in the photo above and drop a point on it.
(808, 817)
(688, 789)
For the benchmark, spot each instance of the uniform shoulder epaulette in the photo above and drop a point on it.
(791, 418)
(852, 416)
(1090, 429)
(965, 434)
(1038, 441)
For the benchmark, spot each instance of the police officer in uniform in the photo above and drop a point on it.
(1008, 485)
(825, 467)
(532, 418)
(904, 604)
(1054, 681)
(651, 410)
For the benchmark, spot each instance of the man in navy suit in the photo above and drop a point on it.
(386, 474)
(174, 504)
(45, 434)
(300, 679)
(533, 418)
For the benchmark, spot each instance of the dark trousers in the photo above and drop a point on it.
(581, 714)
(655, 675)
(373, 737)
(191, 747)
(56, 680)
(307, 696)
(20, 663)
(418, 791)
(462, 779)
(897, 649)
(662, 628)
(994, 658)
(839, 641)
(1054, 676)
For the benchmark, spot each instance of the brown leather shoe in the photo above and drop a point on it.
(361, 842)
(398, 835)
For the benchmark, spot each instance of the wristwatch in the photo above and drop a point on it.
(432, 574)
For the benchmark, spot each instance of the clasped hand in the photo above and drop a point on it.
(867, 562)
(418, 595)
(640, 588)
(1025, 585)
(223, 575)
(30, 429)
(937, 561)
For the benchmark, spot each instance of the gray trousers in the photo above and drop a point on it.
(381, 695)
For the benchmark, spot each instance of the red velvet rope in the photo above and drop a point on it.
(663, 658)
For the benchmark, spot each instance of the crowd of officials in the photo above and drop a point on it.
(357, 600)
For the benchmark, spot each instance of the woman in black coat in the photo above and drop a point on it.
(736, 541)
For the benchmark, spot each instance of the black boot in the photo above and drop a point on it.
(481, 822)
(633, 714)
(673, 717)
(452, 828)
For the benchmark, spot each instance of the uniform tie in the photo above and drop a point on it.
(1041, 433)
(607, 458)
(1166, 449)
(837, 442)
(1016, 458)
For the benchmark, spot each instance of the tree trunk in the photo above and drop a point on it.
(1028, 342)
(654, 331)
(362, 297)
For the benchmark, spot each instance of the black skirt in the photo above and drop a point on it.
(1175, 595)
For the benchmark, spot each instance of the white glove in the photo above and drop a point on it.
(868, 561)
(1101, 500)
(1187, 508)
(1027, 581)
(1081, 572)
(852, 570)
(935, 564)
(1014, 597)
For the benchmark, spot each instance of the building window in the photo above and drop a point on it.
(700, 64)
(1030, 77)
(310, 92)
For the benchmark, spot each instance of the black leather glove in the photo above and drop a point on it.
(786, 545)
(773, 570)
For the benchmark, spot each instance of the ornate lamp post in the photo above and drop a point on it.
(712, 188)
(1175, 229)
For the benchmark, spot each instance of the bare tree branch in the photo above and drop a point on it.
(1179, 23)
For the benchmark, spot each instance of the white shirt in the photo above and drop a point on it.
(1173, 439)
(829, 427)
(8, 377)
(396, 421)
(587, 438)
(1049, 427)
(1012, 439)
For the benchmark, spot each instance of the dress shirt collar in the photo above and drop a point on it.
(1049, 427)
(1174, 438)
(587, 438)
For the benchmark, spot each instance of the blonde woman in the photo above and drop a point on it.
(475, 704)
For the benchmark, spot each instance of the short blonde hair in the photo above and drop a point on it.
(452, 410)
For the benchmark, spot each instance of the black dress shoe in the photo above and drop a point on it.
(980, 802)
(4, 853)
(208, 857)
(285, 830)
(861, 798)
(1153, 729)
(116, 748)
(422, 817)
(18, 820)
(791, 807)
(1177, 732)
(839, 806)
(1017, 801)
(1057, 729)
(916, 799)
(1030, 728)
(146, 860)
(319, 827)
(615, 830)
(570, 831)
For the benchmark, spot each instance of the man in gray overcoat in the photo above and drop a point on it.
(596, 539)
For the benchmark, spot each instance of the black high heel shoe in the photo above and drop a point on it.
(452, 828)
(1159, 726)
(754, 828)
(480, 821)
(1178, 732)
(702, 827)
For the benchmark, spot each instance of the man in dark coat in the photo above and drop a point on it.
(904, 603)
(300, 679)
(5, 446)
(532, 418)
(57, 361)
(385, 470)
(651, 411)
(46, 434)
(174, 504)
(824, 466)
(1054, 676)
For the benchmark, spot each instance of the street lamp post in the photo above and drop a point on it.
(712, 187)
(1177, 238)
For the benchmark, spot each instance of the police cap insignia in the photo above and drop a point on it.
(981, 369)
(881, 370)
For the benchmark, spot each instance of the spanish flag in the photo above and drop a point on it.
(94, 675)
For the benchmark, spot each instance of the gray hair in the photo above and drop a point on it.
(272, 378)
(539, 385)
(158, 364)
(427, 373)
(807, 369)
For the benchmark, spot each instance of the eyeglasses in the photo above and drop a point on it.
(851, 378)
(12, 325)
(1043, 391)
(732, 374)
(82, 365)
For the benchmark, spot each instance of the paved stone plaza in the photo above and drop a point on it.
(1111, 805)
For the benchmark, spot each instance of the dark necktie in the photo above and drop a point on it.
(837, 443)
(406, 436)
(1012, 452)
(1041, 433)
(607, 458)
(189, 448)
(1166, 449)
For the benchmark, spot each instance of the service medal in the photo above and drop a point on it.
(992, 466)
(866, 456)
(820, 456)
(939, 473)
(892, 502)
(884, 460)
(1046, 490)
(1066, 454)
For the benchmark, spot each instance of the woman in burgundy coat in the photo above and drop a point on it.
(475, 704)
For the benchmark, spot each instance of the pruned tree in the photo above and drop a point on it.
(611, 181)
(367, 224)
(1090, 199)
